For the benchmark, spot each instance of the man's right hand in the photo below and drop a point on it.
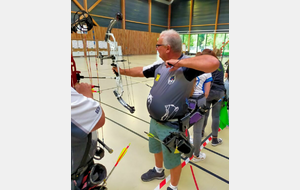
(84, 89)
(115, 70)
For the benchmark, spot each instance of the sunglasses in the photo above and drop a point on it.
(157, 45)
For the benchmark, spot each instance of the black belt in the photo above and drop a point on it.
(170, 123)
(201, 96)
(169, 120)
(173, 123)
(198, 97)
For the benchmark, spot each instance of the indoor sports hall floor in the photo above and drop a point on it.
(122, 128)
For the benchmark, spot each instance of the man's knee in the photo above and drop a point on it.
(172, 162)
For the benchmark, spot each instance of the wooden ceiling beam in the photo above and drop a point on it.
(94, 5)
(216, 23)
(149, 15)
(190, 23)
(123, 13)
(78, 4)
(83, 9)
(85, 5)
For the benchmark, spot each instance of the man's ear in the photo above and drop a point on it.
(168, 49)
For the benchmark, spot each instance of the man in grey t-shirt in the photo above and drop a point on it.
(173, 83)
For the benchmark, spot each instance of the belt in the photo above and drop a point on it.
(170, 123)
(171, 120)
(201, 96)
(198, 97)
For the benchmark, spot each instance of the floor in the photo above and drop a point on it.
(123, 128)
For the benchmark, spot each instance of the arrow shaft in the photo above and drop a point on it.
(152, 136)
(99, 77)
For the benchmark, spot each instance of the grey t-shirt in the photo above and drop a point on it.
(168, 96)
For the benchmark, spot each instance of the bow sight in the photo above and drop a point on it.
(82, 21)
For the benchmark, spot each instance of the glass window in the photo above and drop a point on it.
(226, 47)
(209, 41)
(201, 42)
(193, 43)
(184, 38)
(220, 39)
(225, 52)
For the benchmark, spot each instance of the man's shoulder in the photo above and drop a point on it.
(153, 65)
(185, 57)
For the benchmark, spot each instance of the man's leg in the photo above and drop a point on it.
(159, 159)
(216, 120)
(216, 115)
(155, 148)
(197, 130)
(175, 175)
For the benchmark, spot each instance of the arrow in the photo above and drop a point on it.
(95, 91)
(119, 159)
(122, 154)
(152, 136)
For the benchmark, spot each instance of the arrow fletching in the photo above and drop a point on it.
(122, 154)
(149, 134)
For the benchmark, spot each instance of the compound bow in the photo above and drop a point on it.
(118, 92)
(83, 22)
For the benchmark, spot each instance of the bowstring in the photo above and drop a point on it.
(97, 70)
(89, 69)
(88, 64)
(129, 91)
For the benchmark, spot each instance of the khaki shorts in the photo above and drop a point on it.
(160, 131)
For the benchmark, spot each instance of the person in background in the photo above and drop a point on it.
(226, 83)
(201, 91)
(173, 77)
(217, 91)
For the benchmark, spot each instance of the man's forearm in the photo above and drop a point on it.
(133, 72)
(206, 89)
(205, 63)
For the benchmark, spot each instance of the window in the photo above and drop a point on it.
(199, 42)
